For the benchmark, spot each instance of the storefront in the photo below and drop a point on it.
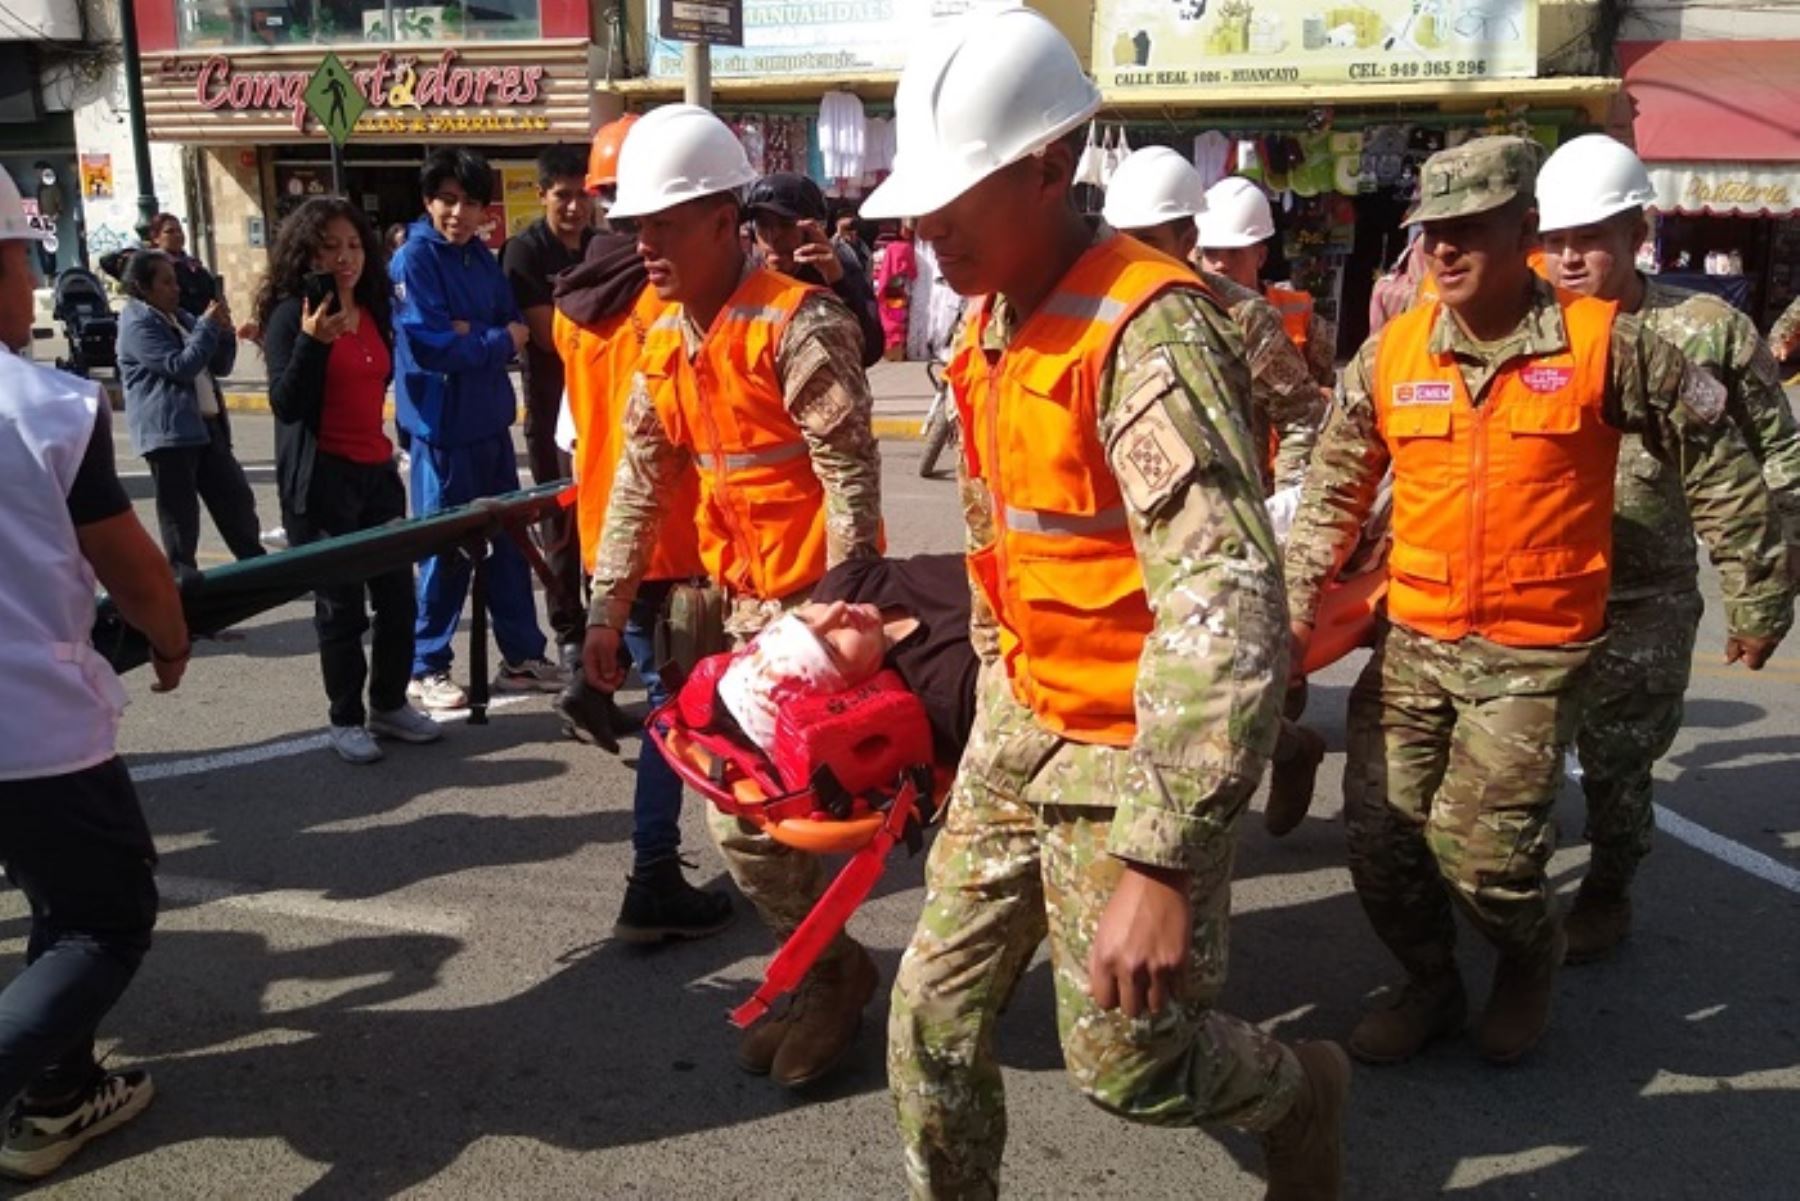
(1332, 108)
(1718, 123)
(507, 77)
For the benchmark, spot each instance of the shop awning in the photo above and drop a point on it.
(1720, 102)
(1727, 189)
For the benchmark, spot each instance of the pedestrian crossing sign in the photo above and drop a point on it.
(333, 97)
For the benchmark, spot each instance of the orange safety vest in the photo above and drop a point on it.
(1502, 513)
(762, 510)
(1296, 309)
(1061, 576)
(598, 365)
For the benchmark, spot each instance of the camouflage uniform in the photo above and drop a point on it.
(1455, 749)
(819, 360)
(1784, 335)
(1321, 351)
(1631, 704)
(1285, 401)
(1040, 828)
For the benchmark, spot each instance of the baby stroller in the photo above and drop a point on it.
(88, 324)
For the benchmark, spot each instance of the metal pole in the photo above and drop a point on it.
(337, 168)
(134, 101)
(696, 62)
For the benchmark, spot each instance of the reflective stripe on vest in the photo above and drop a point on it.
(1062, 576)
(1502, 512)
(762, 510)
(1066, 525)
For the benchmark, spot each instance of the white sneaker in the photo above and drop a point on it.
(39, 1141)
(275, 539)
(437, 691)
(405, 724)
(353, 745)
(533, 675)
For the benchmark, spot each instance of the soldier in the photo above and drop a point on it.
(1127, 594)
(1591, 198)
(1157, 197)
(1234, 242)
(757, 380)
(1499, 405)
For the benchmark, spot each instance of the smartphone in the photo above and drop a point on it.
(320, 287)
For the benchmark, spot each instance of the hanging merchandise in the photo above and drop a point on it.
(878, 150)
(1213, 155)
(750, 133)
(1118, 149)
(843, 131)
(1347, 153)
(1091, 168)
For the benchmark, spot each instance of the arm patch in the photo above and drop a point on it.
(1149, 455)
(1701, 394)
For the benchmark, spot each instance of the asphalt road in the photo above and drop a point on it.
(398, 980)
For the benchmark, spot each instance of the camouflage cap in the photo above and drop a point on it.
(1480, 175)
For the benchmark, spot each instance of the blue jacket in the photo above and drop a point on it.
(157, 368)
(451, 389)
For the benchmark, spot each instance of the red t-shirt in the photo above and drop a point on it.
(355, 391)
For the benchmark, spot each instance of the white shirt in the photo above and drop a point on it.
(842, 135)
(59, 700)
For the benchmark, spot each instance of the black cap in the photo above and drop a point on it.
(788, 195)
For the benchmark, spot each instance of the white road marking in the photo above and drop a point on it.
(288, 747)
(311, 906)
(1675, 1084)
(1726, 851)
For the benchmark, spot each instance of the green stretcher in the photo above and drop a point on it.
(216, 600)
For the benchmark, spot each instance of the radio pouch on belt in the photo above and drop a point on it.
(692, 626)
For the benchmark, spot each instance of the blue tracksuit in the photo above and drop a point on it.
(456, 400)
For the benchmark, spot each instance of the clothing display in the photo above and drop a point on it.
(1214, 156)
(843, 131)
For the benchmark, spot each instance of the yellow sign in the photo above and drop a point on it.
(1189, 44)
(519, 193)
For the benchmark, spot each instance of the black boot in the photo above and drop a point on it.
(589, 715)
(660, 904)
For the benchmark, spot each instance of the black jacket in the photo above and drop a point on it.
(297, 389)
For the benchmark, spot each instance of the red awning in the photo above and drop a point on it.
(1714, 101)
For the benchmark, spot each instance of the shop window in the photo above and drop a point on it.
(241, 24)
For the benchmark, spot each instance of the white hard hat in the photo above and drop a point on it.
(977, 96)
(1237, 214)
(1153, 186)
(15, 226)
(1588, 180)
(677, 153)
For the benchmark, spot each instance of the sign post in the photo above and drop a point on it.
(702, 24)
(332, 96)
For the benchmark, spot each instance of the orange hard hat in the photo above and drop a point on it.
(603, 156)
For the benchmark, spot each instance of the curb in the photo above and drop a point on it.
(888, 429)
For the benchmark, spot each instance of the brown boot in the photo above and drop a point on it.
(824, 1019)
(758, 1047)
(1306, 1150)
(1596, 924)
(1420, 1012)
(1518, 1008)
(1298, 753)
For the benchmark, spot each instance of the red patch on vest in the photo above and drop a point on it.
(1424, 392)
(1544, 380)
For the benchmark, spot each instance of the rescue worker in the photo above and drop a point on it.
(1128, 592)
(1234, 242)
(74, 840)
(1159, 198)
(1591, 199)
(1784, 335)
(604, 309)
(757, 380)
(603, 159)
(1500, 406)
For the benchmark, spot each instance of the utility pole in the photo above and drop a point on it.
(134, 101)
(696, 62)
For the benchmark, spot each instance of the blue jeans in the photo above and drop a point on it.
(443, 478)
(77, 847)
(656, 803)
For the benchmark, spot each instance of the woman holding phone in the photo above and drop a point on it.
(324, 310)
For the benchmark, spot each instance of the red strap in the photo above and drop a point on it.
(832, 912)
(779, 805)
